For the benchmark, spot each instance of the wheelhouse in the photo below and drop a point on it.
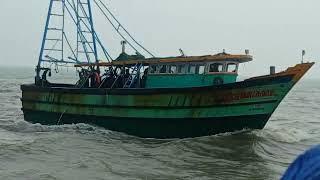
(192, 74)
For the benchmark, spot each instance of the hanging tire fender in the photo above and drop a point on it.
(218, 81)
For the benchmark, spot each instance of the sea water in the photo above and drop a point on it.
(33, 151)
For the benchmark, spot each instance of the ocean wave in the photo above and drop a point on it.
(6, 91)
(11, 143)
(284, 134)
(26, 127)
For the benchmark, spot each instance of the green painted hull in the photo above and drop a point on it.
(155, 128)
(160, 113)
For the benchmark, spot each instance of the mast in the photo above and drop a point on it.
(43, 41)
(59, 46)
(70, 38)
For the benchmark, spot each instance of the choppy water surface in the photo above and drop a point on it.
(33, 151)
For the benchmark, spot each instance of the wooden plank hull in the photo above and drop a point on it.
(164, 112)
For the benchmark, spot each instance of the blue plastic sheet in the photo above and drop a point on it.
(305, 167)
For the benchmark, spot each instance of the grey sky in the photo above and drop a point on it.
(275, 31)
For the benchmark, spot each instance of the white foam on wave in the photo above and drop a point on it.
(284, 134)
(233, 133)
(26, 127)
(288, 135)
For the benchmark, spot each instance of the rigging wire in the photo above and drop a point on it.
(120, 26)
(112, 24)
(73, 11)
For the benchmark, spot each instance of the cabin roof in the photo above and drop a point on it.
(180, 59)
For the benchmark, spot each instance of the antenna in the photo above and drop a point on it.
(182, 53)
(302, 57)
(123, 43)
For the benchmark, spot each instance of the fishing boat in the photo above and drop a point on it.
(170, 97)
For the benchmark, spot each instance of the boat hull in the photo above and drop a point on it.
(155, 128)
(164, 112)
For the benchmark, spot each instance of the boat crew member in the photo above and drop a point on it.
(44, 77)
(83, 79)
(95, 79)
(126, 76)
(144, 78)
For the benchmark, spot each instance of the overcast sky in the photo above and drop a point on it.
(275, 31)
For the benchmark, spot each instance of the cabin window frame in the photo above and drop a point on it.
(223, 69)
(156, 71)
(180, 68)
(189, 69)
(170, 69)
(203, 70)
(232, 63)
(183, 69)
(160, 69)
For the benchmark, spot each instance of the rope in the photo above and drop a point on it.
(61, 116)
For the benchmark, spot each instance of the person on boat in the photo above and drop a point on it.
(95, 79)
(80, 81)
(104, 78)
(116, 78)
(120, 79)
(83, 79)
(127, 75)
(144, 78)
(109, 78)
(44, 80)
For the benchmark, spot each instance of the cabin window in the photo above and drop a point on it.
(153, 69)
(232, 67)
(192, 69)
(163, 69)
(201, 69)
(181, 69)
(197, 69)
(173, 69)
(216, 67)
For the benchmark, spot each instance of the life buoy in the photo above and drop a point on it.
(218, 81)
